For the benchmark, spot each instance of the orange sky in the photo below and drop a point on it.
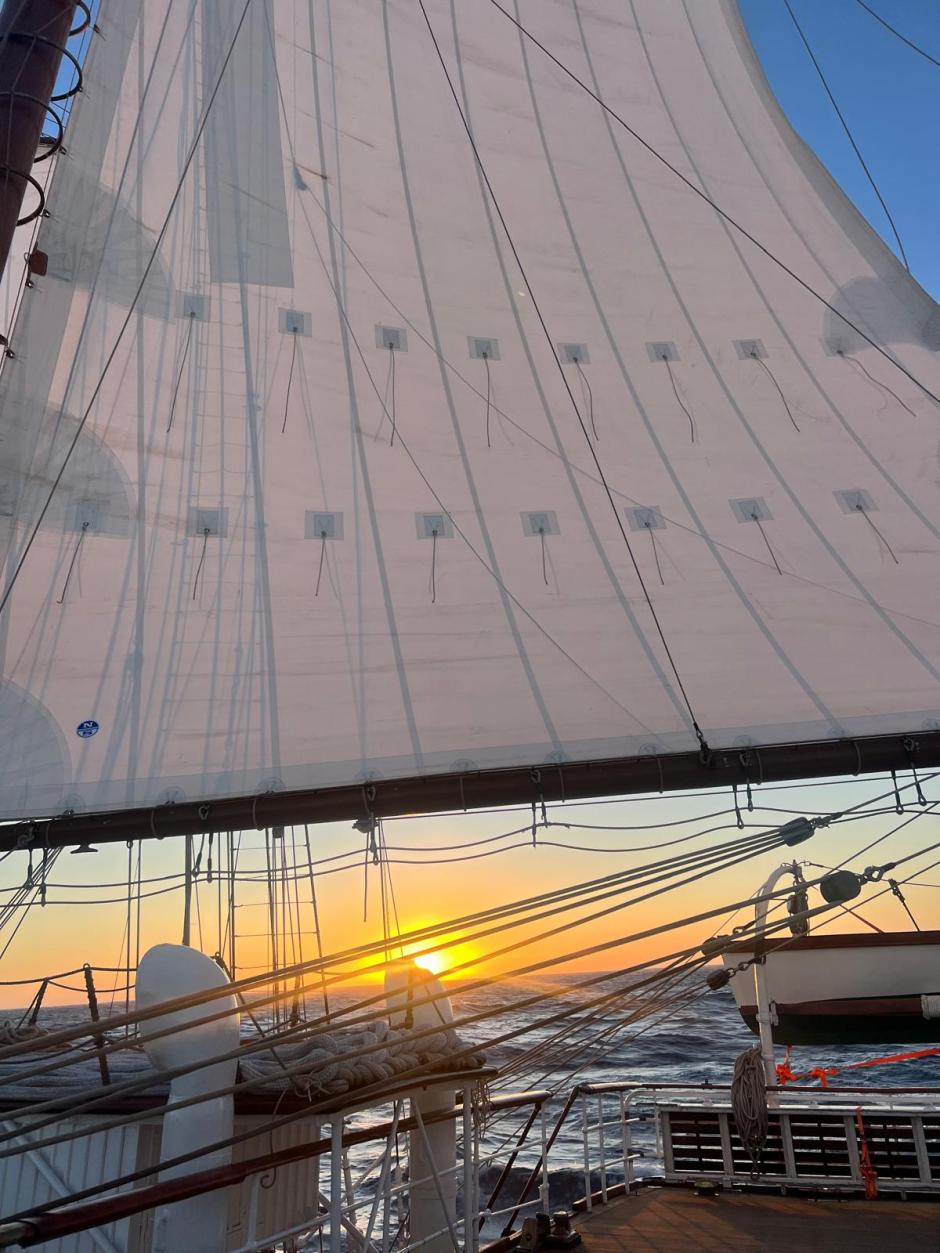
(63, 935)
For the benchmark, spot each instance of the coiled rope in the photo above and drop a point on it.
(749, 1102)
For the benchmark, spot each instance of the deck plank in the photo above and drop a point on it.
(673, 1220)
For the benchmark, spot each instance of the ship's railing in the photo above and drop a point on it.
(835, 1138)
(364, 1205)
(365, 1196)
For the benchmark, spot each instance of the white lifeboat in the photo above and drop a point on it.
(866, 988)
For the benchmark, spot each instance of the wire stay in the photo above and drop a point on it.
(202, 557)
(290, 377)
(851, 138)
(68, 576)
(696, 728)
(704, 196)
(179, 374)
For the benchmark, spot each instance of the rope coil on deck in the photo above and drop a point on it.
(749, 1102)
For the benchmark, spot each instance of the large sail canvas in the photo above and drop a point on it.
(346, 496)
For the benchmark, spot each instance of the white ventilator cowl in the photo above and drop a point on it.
(165, 972)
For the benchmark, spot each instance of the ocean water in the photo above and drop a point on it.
(693, 1042)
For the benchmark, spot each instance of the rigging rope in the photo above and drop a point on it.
(501, 929)
(132, 305)
(703, 195)
(894, 31)
(848, 132)
(316, 922)
(137, 1085)
(202, 556)
(682, 973)
(68, 577)
(276, 1122)
(659, 569)
(350, 330)
(378, 999)
(749, 1103)
(755, 517)
(179, 373)
(699, 734)
(290, 377)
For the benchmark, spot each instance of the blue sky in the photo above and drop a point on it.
(889, 95)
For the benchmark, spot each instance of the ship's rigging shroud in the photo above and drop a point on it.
(333, 204)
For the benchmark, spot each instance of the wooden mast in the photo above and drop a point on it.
(33, 35)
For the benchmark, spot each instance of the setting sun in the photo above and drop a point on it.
(434, 963)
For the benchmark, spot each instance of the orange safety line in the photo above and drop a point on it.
(869, 1174)
(786, 1075)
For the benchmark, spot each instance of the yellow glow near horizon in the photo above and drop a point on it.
(429, 894)
(434, 963)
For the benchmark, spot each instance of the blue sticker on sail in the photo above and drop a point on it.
(85, 730)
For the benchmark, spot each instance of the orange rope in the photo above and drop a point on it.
(786, 1075)
(869, 1174)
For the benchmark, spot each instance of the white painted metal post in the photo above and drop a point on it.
(765, 1026)
(399, 1193)
(188, 892)
(336, 1183)
(382, 1195)
(626, 1143)
(602, 1144)
(469, 1207)
(476, 1184)
(763, 998)
(587, 1153)
(543, 1182)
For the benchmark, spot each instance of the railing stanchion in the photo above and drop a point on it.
(585, 1132)
(626, 1143)
(469, 1206)
(602, 1145)
(543, 1183)
(382, 1190)
(477, 1141)
(336, 1183)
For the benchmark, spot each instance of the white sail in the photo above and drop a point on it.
(283, 554)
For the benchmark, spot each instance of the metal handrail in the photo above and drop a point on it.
(606, 1140)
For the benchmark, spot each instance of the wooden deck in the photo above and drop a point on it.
(673, 1220)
